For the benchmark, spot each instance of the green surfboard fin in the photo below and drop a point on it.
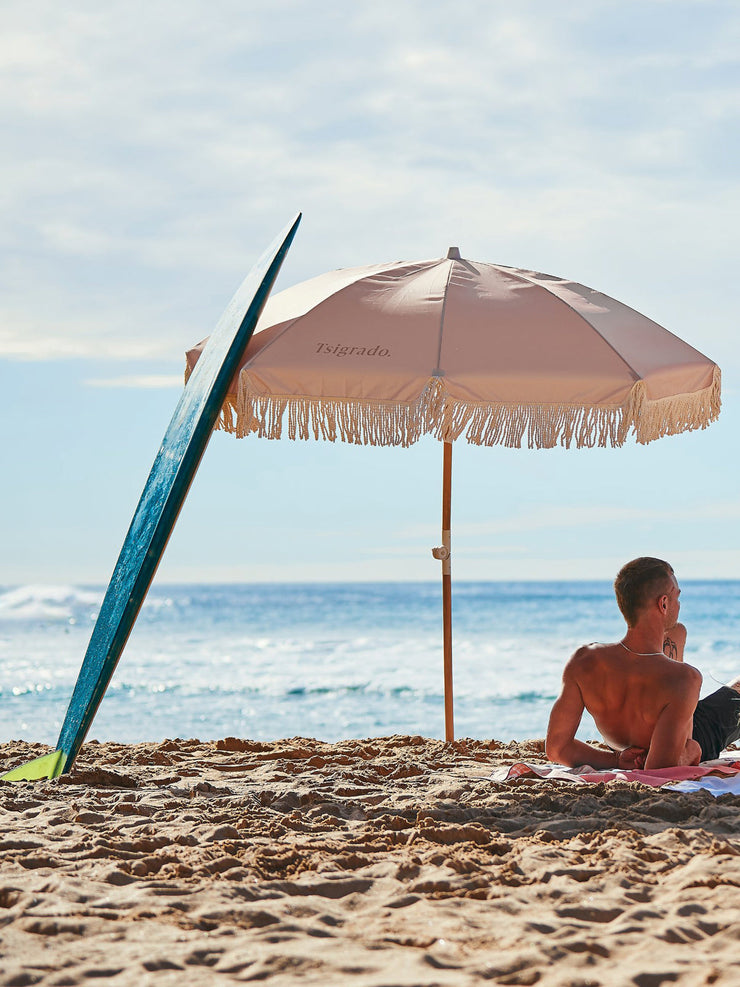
(48, 766)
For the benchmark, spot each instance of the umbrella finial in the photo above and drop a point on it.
(454, 253)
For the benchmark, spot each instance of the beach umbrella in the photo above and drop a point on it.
(454, 348)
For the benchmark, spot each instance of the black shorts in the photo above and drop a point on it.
(717, 722)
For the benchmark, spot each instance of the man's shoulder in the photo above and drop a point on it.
(586, 656)
(587, 652)
(684, 674)
(674, 680)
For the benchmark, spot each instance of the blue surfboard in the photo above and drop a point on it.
(174, 467)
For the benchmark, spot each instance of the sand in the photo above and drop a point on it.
(390, 861)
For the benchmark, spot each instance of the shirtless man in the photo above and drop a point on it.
(644, 699)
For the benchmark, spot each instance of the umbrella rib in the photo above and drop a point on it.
(522, 277)
(437, 369)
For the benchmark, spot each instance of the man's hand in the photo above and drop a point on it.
(631, 759)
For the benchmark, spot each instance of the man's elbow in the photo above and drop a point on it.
(691, 754)
(555, 751)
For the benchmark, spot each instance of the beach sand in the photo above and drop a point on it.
(391, 861)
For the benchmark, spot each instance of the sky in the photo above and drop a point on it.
(150, 153)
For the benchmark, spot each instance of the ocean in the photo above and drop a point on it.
(327, 661)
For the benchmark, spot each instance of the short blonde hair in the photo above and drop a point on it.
(638, 582)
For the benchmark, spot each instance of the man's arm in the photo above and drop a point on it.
(671, 743)
(674, 642)
(561, 745)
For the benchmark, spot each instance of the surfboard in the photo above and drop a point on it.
(165, 491)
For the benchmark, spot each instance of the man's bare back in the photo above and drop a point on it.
(639, 691)
(626, 694)
(640, 702)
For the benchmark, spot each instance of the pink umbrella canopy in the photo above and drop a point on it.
(453, 348)
(382, 355)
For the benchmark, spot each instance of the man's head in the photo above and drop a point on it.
(643, 583)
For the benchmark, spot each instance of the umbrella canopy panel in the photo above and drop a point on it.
(382, 355)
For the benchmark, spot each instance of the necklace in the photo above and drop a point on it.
(641, 654)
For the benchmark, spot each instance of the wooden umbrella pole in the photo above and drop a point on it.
(443, 553)
(447, 588)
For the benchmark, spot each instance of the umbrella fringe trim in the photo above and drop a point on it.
(677, 413)
(365, 422)
(356, 422)
(536, 426)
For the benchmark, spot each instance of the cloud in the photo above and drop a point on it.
(45, 337)
(577, 517)
(148, 382)
(580, 516)
(152, 151)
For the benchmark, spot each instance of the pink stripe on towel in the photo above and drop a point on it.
(656, 777)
